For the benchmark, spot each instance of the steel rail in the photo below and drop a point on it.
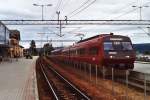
(50, 86)
(71, 85)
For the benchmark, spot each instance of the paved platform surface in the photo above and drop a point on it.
(18, 80)
(142, 67)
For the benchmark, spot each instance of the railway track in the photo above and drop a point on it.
(61, 88)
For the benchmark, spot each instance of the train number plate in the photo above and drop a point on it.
(113, 53)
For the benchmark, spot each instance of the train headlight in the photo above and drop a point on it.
(127, 56)
(110, 57)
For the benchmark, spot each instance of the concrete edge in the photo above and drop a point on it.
(35, 83)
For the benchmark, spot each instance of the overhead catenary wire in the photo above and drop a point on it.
(87, 1)
(56, 8)
(124, 7)
(125, 13)
(59, 4)
(119, 10)
(130, 11)
(83, 8)
(65, 5)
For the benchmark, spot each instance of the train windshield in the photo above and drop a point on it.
(108, 46)
(117, 45)
(127, 46)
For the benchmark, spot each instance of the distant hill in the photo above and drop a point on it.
(141, 48)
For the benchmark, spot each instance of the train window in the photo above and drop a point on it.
(127, 46)
(81, 51)
(76, 52)
(108, 46)
(117, 45)
(72, 52)
(93, 51)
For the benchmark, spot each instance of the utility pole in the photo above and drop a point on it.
(59, 23)
(47, 38)
(58, 14)
(60, 29)
(42, 12)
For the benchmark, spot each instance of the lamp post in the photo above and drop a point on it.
(42, 6)
(140, 7)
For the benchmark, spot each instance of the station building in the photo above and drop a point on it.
(16, 50)
(9, 43)
(4, 41)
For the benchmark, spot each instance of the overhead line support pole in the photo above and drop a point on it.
(42, 12)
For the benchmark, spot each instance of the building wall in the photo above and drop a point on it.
(4, 40)
(4, 34)
(16, 51)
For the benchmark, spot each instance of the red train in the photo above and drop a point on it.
(105, 50)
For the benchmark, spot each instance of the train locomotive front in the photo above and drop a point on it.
(118, 52)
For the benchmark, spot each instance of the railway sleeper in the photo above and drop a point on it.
(67, 97)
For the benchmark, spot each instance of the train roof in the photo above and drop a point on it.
(97, 36)
(88, 38)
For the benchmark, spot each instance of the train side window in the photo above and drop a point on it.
(67, 53)
(81, 51)
(94, 51)
(108, 46)
(74, 52)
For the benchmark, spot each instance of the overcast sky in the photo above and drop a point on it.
(74, 9)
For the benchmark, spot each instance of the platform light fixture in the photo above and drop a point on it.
(140, 7)
(42, 6)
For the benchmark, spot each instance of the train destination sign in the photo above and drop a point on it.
(116, 39)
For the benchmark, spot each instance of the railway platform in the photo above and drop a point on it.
(18, 80)
(143, 67)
